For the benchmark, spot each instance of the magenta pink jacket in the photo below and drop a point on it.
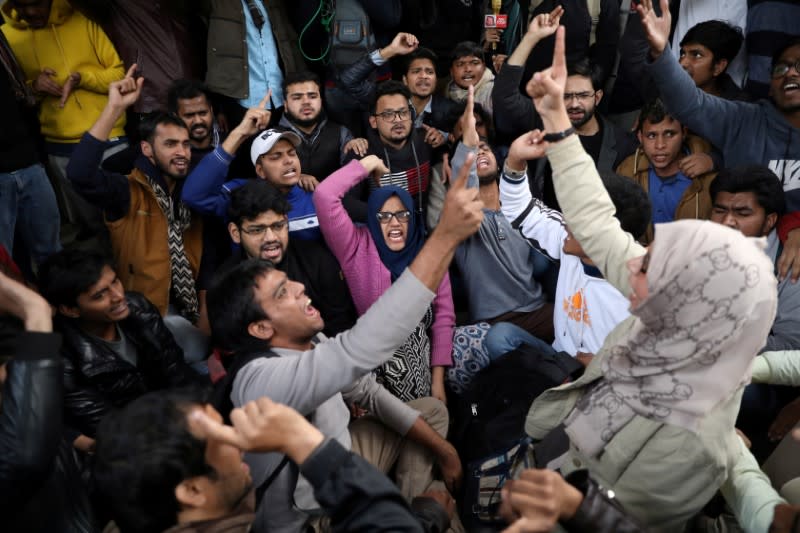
(363, 269)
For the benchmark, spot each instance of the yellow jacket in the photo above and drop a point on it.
(70, 43)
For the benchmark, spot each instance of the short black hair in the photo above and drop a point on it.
(467, 49)
(300, 77)
(232, 306)
(631, 202)
(253, 198)
(388, 87)
(149, 124)
(67, 274)
(420, 53)
(757, 179)
(584, 67)
(144, 451)
(457, 109)
(721, 38)
(654, 112)
(185, 89)
(787, 43)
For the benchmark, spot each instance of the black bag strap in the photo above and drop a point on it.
(264, 486)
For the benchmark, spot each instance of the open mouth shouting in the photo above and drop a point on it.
(482, 162)
(310, 310)
(272, 251)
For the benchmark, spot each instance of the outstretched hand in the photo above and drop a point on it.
(546, 88)
(545, 24)
(125, 92)
(656, 28)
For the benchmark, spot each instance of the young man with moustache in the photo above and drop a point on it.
(656, 167)
(766, 132)
(116, 347)
(258, 311)
(157, 240)
(606, 143)
(274, 156)
(468, 69)
(325, 145)
(432, 110)
(259, 224)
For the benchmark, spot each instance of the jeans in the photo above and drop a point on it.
(28, 205)
(505, 337)
(193, 342)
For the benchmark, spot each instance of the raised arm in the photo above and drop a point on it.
(538, 223)
(588, 210)
(107, 190)
(355, 78)
(337, 228)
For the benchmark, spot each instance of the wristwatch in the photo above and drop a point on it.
(559, 136)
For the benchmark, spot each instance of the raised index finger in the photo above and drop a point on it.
(131, 71)
(559, 55)
(264, 101)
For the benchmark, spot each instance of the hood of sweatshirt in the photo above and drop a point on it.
(60, 12)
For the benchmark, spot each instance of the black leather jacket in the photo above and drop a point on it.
(30, 420)
(97, 380)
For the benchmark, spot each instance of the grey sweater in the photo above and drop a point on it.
(313, 382)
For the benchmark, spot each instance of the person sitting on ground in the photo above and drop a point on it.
(267, 321)
(116, 346)
(373, 257)
(432, 111)
(274, 156)
(468, 69)
(259, 224)
(588, 307)
(325, 145)
(652, 417)
(166, 462)
(705, 53)
(665, 168)
(766, 132)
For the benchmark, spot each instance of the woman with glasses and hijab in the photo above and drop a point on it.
(372, 258)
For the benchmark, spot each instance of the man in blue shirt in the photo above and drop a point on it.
(661, 166)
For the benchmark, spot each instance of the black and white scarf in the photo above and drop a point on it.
(182, 279)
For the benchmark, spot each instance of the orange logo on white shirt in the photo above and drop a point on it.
(575, 308)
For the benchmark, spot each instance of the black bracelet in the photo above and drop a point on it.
(560, 136)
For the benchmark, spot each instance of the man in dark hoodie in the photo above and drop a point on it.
(766, 132)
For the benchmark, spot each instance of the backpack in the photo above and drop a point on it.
(351, 34)
(489, 416)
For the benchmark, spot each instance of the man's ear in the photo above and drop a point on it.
(69, 311)
(598, 95)
(233, 231)
(769, 223)
(261, 329)
(147, 148)
(190, 492)
(720, 66)
(373, 123)
(639, 136)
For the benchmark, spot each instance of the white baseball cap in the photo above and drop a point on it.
(265, 140)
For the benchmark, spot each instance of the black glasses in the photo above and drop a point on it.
(391, 114)
(257, 231)
(780, 69)
(384, 217)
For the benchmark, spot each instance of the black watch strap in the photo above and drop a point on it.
(559, 136)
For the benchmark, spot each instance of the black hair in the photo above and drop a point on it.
(253, 198)
(149, 124)
(631, 202)
(788, 43)
(144, 451)
(232, 306)
(420, 53)
(584, 67)
(721, 38)
(654, 112)
(757, 179)
(185, 89)
(466, 49)
(386, 88)
(67, 274)
(455, 111)
(300, 77)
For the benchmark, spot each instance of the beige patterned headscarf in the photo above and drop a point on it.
(711, 304)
